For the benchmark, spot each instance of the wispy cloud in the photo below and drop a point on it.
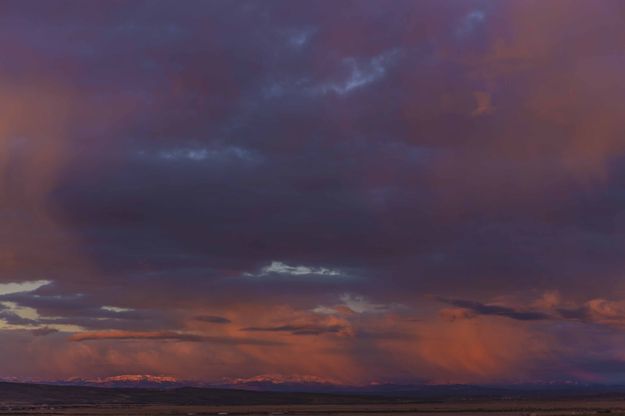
(212, 319)
(278, 268)
(299, 329)
(167, 336)
(17, 287)
(478, 308)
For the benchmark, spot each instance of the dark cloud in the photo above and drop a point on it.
(211, 319)
(170, 336)
(166, 165)
(478, 308)
(299, 329)
(12, 318)
(81, 310)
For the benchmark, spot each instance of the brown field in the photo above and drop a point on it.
(472, 408)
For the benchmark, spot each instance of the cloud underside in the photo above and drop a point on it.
(426, 190)
(477, 308)
(169, 336)
(298, 329)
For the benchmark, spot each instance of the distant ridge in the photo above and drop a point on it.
(53, 394)
(40, 394)
(314, 384)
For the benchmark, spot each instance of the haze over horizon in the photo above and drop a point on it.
(360, 191)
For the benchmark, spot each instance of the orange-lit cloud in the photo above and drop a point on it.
(432, 193)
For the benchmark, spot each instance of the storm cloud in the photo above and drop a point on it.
(205, 180)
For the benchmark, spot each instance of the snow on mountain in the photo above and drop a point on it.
(125, 380)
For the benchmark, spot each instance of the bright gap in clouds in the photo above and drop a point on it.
(116, 309)
(16, 287)
(280, 268)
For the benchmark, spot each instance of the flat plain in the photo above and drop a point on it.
(568, 407)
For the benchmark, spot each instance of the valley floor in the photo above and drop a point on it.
(465, 408)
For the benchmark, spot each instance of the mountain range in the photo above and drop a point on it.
(12, 394)
(294, 389)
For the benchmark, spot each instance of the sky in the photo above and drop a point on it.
(362, 191)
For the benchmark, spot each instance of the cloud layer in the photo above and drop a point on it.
(411, 191)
